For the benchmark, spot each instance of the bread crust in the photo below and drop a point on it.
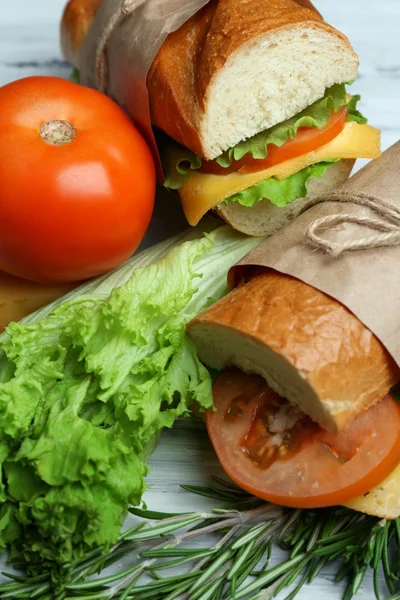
(75, 23)
(180, 76)
(78, 16)
(234, 24)
(173, 79)
(330, 350)
(265, 218)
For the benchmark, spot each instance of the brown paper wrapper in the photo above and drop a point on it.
(366, 281)
(130, 50)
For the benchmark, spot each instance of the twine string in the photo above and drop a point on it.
(387, 224)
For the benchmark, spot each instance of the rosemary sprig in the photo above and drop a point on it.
(233, 560)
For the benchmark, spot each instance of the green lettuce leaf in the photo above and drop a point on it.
(75, 76)
(86, 386)
(178, 161)
(315, 115)
(282, 192)
(354, 114)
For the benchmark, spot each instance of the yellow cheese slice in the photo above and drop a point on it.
(18, 297)
(383, 501)
(202, 192)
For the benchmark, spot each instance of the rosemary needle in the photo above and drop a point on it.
(232, 562)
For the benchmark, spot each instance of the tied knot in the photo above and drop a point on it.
(386, 221)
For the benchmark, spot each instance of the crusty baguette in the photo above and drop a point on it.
(234, 69)
(77, 18)
(76, 21)
(265, 219)
(307, 346)
(19, 298)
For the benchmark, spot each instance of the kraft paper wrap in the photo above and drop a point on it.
(131, 47)
(366, 281)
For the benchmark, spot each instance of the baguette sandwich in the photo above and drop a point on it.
(304, 416)
(249, 106)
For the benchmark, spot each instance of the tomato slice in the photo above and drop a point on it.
(306, 140)
(273, 451)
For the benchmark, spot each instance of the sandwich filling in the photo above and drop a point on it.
(276, 164)
(272, 450)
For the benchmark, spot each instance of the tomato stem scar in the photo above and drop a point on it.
(58, 132)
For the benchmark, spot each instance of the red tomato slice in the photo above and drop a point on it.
(306, 140)
(273, 451)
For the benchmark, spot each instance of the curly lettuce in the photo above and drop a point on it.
(281, 192)
(87, 385)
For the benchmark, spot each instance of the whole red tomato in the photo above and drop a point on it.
(77, 181)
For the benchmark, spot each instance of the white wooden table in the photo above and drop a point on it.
(29, 45)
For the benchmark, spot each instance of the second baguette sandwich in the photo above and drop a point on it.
(318, 428)
(307, 346)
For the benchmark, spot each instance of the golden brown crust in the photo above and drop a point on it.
(189, 59)
(76, 21)
(234, 24)
(172, 80)
(265, 219)
(328, 346)
(78, 16)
